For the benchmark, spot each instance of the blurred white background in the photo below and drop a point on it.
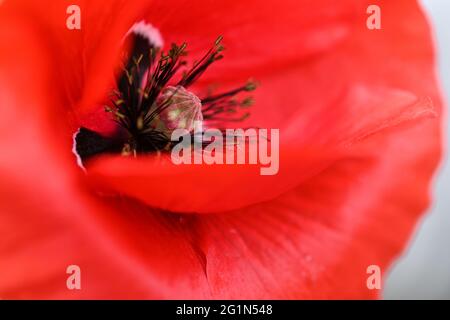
(424, 271)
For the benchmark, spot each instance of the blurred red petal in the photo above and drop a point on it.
(259, 36)
(83, 60)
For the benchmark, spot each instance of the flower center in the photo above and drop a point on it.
(152, 98)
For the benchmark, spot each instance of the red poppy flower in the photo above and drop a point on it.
(358, 112)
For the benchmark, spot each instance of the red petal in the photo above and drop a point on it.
(83, 60)
(257, 34)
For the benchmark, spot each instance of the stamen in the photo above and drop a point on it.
(225, 104)
(148, 104)
(250, 86)
(214, 54)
